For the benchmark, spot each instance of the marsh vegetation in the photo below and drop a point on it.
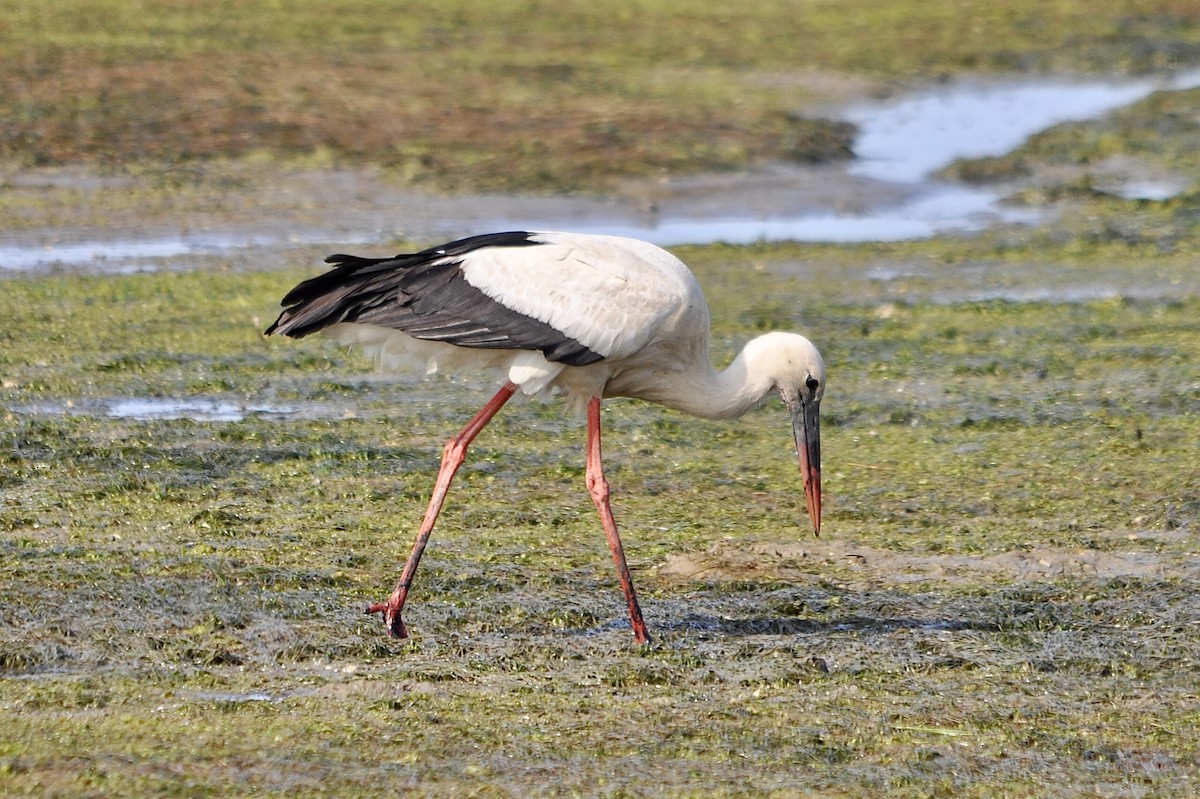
(1003, 602)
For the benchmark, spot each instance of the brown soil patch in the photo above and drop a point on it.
(728, 562)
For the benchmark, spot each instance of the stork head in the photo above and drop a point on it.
(798, 373)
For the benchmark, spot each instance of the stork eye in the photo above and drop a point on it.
(812, 383)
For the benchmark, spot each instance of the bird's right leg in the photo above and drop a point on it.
(453, 456)
(598, 487)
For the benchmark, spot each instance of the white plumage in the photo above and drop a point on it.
(613, 295)
(594, 316)
(609, 293)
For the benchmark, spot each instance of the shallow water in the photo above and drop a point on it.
(910, 138)
(126, 256)
(930, 211)
(198, 409)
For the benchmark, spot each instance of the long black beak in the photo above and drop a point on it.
(806, 425)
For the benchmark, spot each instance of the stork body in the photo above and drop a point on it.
(594, 316)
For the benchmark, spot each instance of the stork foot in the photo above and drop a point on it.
(391, 616)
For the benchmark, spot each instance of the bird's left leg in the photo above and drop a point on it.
(598, 487)
(453, 456)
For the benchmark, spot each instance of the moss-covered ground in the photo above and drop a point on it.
(1016, 481)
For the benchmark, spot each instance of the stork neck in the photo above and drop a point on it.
(727, 394)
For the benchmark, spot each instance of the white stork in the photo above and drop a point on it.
(594, 316)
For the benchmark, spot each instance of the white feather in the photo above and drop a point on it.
(398, 352)
(532, 372)
(611, 294)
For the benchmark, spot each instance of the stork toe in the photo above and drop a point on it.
(391, 616)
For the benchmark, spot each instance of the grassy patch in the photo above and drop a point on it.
(470, 94)
(182, 609)
(1004, 600)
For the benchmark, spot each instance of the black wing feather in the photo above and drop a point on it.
(425, 295)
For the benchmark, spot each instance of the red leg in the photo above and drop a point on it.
(598, 488)
(453, 456)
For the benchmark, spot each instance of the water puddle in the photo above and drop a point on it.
(197, 409)
(200, 410)
(1156, 190)
(929, 211)
(908, 139)
(139, 255)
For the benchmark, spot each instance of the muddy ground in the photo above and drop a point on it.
(1002, 603)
